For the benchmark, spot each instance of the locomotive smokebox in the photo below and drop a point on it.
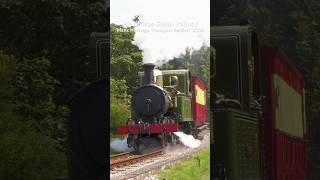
(148, 73)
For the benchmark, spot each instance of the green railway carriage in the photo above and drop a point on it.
(235, 126)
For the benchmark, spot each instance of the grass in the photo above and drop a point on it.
(189, 168)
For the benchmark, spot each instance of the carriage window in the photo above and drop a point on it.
(159, 80)
(227, 70)
(173, 80)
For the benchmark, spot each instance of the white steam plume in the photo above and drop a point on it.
(164, 28)
(188, 140)
(120, 145)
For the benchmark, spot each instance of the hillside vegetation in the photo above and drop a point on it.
(44, 60)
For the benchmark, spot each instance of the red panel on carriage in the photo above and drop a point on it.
(283, 118)
(198, 101)
(289, 157)
(278, 63)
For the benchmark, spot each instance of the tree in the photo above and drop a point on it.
(57, 30)
(22, 147)
(125, 62)
(119, 103)
(126, 58)
(50, 42)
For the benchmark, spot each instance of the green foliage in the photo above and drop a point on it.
(126, 58)
(58, 30)
(7, 70)
(25, 153)
(189, 168)
(119, 103)
(119, 113)
(126, 61)
(50, 42)
(33, 91)
(34, 87)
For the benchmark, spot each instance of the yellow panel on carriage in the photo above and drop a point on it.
(288, 110)
(200, 95)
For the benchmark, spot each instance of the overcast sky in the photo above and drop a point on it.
(166, 27)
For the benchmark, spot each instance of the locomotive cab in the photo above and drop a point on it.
(235, 130)
(175, 85)
(236, 67)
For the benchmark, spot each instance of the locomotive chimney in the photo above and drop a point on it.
(148, 73)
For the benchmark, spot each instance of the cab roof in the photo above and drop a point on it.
(235, 29)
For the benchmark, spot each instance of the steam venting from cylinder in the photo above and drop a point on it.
(148, 73)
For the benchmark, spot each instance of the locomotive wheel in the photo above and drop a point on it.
(170, 138)
(166, 139)
(163, 139)
(195, 133)
(175, 139)
(136, 145)
(186, 128)
(130, 140)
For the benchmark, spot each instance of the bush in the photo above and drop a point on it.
(25, 151)
(27, 154)
(119, 113)
(119, 103)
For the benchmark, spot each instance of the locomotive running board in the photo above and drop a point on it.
(146, 128)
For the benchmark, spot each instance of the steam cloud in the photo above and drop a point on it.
(120, 145)
(164, 28)
(188, 140)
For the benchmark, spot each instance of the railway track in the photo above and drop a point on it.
(146, 167)
(126, 159)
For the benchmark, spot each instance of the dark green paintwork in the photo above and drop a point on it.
(99, 43)
(234, 62)
(233, 131)
(183, 102)
(184, 108)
